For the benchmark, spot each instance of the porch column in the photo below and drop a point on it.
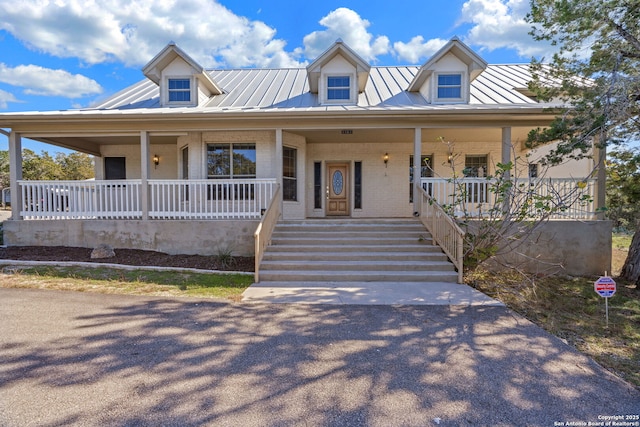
(144, 174)
(15, 173)
(600, 150)
(506, 158)
(506, 148)
(278, 163)
(417, 167)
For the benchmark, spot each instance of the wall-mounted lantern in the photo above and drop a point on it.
(156, 160)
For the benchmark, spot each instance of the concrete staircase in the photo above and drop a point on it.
(342, 251)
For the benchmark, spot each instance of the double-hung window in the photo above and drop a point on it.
(449, 86)
(476, 189)
(179, 90)
(338, 88)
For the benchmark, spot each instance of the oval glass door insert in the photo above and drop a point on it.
(338, 182)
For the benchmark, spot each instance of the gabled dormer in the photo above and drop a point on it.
(183, 82)
(446, 77)
(338, 75)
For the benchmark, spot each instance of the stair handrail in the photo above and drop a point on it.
(444, 229)
(262, 235)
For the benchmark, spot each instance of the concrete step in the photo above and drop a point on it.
(357, 276)
(350, 250)
(356, 234)
(420, 256)
(357, 266)
(340, 240)
(353, 247)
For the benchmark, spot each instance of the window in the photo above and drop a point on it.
(449, 86)
(231, 161)
(317, 185)
(179, 90)
(476, 167)
(357, 185)
(289, 174)
(426, 171)
(533, 170)
(115, 168)
(338, 88)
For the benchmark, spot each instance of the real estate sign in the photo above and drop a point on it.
(605, 287)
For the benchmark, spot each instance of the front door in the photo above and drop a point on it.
(337, 189)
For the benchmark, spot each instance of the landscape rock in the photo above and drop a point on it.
(103, 251)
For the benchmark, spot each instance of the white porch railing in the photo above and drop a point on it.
(116, 199)
(168, 199)
(444, 230)
(474, 195)
(262, 235)
(210, 198)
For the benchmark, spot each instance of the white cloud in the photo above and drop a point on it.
(5, 98)
(347, 25)
(45, 81)
(417, 50)
(133, 31)
(501, 24)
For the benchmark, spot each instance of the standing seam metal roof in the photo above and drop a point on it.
(288, 88)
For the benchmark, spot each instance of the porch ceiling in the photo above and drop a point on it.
(91, 144)
(354, 135)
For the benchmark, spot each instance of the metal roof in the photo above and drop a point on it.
(288, 89)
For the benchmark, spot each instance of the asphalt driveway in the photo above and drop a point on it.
(106, 360)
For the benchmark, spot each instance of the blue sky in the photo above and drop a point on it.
(63, 54)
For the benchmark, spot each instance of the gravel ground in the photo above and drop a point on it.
(109, 360)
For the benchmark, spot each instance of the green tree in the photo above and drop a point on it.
(4, 169)
(623, 187)
(40, 166)
(599, 41)
(75, 166)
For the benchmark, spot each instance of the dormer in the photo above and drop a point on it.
(183, 82)
(446, 77)
(338, 75)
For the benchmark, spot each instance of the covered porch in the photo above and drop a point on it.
(167, 187)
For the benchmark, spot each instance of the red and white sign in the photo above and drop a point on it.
(605, 287)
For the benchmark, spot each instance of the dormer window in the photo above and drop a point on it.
(449, 86)
(338, 88)
(179, 90)
(338, 76)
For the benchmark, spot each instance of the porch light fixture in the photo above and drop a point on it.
(156, 160)
(385, 159)
(450, 158)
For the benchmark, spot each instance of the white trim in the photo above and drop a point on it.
(193, 91)
(324, 89)
(464, 88)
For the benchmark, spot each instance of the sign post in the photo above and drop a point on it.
(605, 287)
